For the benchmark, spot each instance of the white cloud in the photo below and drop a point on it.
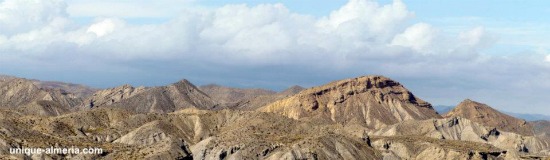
(366, 19)
(105, 27)
(547, 58)
(19, 16)
(477, 38)
(419, 37)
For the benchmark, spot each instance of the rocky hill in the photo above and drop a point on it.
(370, 101)
(22, 95)
(163, 99)
(487, 116)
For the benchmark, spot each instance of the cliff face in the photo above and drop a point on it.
(487, 116)
(371, 101)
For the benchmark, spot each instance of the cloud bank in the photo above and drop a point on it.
(266, 45)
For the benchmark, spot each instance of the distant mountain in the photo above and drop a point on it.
(245, 99)
(443, 109)
(529, 117)
(487, 116)
(230, 97)
(76, 89)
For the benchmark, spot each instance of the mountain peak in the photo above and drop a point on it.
(488, 116)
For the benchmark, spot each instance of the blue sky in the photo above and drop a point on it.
(496, 52)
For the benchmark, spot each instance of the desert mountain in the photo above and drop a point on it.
(487, 116)
(369, 117)
(22, 95)
(370, 101)
(161, 99)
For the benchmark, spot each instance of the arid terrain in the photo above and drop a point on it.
(368, 117)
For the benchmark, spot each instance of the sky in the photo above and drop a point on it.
(494, 52)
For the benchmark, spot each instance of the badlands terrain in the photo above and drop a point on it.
(369, 117)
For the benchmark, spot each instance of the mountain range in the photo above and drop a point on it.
(367, 117)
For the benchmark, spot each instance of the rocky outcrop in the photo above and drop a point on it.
(371, 101)
(487, 116)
